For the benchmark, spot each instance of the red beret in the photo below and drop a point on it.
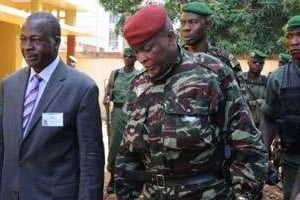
(144, 24)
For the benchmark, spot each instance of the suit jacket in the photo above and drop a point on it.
(52, 162)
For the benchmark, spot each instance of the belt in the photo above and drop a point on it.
(163, 180)
(118, 105)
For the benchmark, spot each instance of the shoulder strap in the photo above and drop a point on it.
(110, 84)
(113, 77)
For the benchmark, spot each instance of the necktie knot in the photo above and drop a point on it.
(36, 78)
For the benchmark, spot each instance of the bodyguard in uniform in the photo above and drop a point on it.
(116, 92)
(180, 113)
(281, 111)
(194, 27)
(255, 83)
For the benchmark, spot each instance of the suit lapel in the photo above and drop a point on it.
(52, 88)
(19, 89)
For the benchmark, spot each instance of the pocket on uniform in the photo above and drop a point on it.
(187, 123)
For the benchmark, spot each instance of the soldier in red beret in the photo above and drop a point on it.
(180, 111)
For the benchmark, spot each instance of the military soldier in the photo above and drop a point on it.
(255, 83)
(116, 91)
(181, 111)
(281, 111)
(194, 26)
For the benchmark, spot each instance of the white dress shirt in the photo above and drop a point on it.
(45, 74)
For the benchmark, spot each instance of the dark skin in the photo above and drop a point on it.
(193, 31)
(129, 61)
(268, 126)
(255, 67)
(38, 47)
(157, 52)
(293, 44)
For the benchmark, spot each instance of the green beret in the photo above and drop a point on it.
(128, 51)
(284, 57)
(258, 55)
(197, 8)
(294, 22)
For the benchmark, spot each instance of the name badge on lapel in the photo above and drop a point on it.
(52, 119)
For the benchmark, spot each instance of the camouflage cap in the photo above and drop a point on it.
(197, 8)
(284, 57)
(294, 22)
(258, 55)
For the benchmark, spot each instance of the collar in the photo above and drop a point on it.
(46, 73)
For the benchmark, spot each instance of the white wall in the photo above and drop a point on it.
(96, 21)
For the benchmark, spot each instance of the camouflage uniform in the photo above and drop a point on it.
(256, 90)
(226, 57)
(120, 82)
(176, 128)
(231, 61)
(285, 82)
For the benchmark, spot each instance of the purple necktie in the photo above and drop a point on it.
(30, 99)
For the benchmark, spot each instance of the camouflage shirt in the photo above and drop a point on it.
(226, 57)
(176, 126)
(231, 61)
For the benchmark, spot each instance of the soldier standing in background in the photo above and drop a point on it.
(180, 113)
(194, 27)
(115, 92)
(281, 111)
(255, 84)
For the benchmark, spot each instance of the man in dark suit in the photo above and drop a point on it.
(50, 129)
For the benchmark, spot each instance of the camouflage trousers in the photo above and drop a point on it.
(117, 127)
